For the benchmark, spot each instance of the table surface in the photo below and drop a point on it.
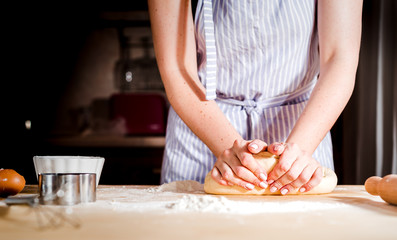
(153, 212)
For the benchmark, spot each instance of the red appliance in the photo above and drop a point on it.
(144, 113)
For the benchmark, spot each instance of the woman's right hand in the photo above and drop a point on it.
(237, 166)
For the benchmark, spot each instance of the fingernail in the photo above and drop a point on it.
(302, 190)
(263, 185)
(270, 182)
(230, 184)
(263, 177)
(277, 147)
(254, 146)
(273, 189)
(249, 186)
(284, 191)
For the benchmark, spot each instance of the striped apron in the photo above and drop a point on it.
(259, 60)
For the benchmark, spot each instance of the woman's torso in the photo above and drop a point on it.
(267, 62)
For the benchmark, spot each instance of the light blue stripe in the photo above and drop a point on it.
(210, 83)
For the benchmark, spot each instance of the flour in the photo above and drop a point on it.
(201, 204)
(189, 196)
(193, 203)
(187, 186)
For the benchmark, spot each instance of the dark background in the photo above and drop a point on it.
(41, 45)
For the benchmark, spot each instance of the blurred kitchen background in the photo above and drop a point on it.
(82, 80)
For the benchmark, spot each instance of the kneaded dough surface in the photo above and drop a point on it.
(268, 161)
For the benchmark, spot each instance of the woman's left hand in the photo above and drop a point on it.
(296, 169)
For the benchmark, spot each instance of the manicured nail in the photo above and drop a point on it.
(249, 186)
(263, 185)
(254, 146)
(263, 177)
(276, 148)
(284, 191)
(273, 189)
(302, 190)
(270, 182)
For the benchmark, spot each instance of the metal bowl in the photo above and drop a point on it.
(69, 164)
(67, 188)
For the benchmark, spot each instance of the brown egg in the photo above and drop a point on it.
(11, 182)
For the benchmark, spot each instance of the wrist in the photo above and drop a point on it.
(297, 147)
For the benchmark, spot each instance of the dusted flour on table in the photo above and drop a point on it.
(201, 204)
(188, 186)
(189, 196)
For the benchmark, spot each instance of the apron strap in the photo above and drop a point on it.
(252, 105)
(209, 33)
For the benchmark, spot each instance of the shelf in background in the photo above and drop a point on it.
(109, 141)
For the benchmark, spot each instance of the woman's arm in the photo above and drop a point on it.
(174, 43)
(339, 26)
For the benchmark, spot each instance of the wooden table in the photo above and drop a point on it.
(122, 212)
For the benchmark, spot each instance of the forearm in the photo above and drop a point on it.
(204, 118)
(174, 43)
(327, 101)
(339, 25)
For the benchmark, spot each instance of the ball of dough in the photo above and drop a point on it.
(268, 161)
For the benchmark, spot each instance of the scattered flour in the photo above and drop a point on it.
(187, 186)
(201, 204)
(193, 203)
(189, 196)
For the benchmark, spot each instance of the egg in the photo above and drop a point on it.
(11, 182)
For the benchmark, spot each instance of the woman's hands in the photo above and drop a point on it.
(295, 170)
(237, 166)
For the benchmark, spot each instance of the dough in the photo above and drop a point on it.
(268, 161)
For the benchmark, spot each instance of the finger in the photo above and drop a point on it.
(228, 174)
(283, 166)
(276, 148)
(287, 189)
(295, 171)
(245, 174)
(247, 160)
(304, 177)
(256, 146)
(216, 175)
(244, 184)
(314, 181)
